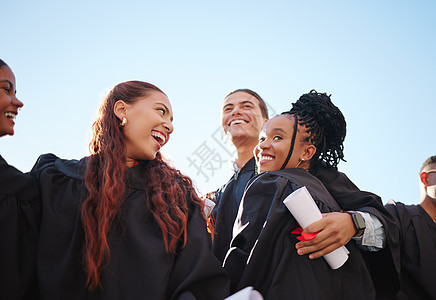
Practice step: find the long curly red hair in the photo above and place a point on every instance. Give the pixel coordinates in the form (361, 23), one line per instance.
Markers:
(168, 190)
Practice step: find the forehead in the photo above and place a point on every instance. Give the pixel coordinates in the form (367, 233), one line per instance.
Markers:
(7, 74)
(240, 97)
(156, 98)
(283, 123)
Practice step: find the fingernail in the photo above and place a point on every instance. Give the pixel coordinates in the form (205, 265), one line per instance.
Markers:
(300, 252)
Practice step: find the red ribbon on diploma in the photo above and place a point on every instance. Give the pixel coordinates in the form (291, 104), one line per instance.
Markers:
(305, 236)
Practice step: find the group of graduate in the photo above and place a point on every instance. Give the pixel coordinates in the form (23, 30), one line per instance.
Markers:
(122, 223)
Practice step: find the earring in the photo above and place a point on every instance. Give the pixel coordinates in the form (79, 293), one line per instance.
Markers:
(301, 160)
(123, 122)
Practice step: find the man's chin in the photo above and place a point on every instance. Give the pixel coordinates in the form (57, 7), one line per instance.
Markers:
(239, 131)
(240, 135)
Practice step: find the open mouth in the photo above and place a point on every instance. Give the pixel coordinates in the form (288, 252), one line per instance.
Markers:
(236, 122)
(10, 115)
(159, 137)
(265, 158)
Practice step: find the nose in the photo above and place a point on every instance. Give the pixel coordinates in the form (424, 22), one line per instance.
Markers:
(169, 127)
(235, 110)
(17, 102)
(263, 144)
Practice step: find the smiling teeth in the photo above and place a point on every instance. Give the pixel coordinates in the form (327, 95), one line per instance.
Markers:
(161, 138)
(266, 158)
(237, 122)
(10, 115)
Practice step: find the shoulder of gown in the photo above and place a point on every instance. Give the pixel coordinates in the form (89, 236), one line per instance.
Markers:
(20, 214)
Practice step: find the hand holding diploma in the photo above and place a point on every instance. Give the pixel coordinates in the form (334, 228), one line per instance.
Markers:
(302, 206)
(335, 230)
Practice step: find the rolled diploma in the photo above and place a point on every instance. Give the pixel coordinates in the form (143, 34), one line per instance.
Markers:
(302, 206)
(208, 207)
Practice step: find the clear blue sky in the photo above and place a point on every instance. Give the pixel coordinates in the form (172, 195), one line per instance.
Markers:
(376, 58)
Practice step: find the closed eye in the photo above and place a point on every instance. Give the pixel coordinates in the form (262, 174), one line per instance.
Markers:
(8, 89)
(7, 85)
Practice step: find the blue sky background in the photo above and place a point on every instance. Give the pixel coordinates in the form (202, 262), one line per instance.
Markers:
(376, 58)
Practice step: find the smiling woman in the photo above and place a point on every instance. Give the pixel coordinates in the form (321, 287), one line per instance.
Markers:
(274, 143)
(122, 223)
(19, 207)
(265, 252)
(146, 123)
(9, 103)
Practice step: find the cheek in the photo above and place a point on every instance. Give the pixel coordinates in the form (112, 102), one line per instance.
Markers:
(224, 126)
(133, 133)
(281, 152)
(225, 119)
(3, 102)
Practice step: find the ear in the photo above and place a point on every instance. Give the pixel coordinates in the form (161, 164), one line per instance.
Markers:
(424, 178)
(120, 109)
(308, 152)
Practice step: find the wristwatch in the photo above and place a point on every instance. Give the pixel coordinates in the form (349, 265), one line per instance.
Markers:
(358, 220)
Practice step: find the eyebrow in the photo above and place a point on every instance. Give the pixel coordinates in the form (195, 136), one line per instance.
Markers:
(241, 102)
(247, 101)
(278, 129)
(228, 104)
(5, 80)
(166, 109)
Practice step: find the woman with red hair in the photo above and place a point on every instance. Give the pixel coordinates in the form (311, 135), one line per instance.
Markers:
(122, 223)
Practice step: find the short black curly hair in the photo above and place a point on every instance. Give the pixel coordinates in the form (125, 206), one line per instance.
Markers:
(325, 125)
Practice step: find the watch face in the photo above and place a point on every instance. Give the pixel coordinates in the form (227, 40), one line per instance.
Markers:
(359, 221)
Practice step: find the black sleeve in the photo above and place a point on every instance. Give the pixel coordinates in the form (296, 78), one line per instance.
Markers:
(383, 264)
(196, 271)
(20, 215)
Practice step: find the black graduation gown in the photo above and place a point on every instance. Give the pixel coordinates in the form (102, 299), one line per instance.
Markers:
(384, 265)
(139, 267)
(227, 200)
(263, 253)
(19, 219)
(418, 252)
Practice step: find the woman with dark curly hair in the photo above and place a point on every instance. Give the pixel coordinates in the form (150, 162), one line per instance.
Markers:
(122, 223)
(262, 252)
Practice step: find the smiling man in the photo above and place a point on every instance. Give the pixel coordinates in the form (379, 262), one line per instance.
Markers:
(243, 115)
